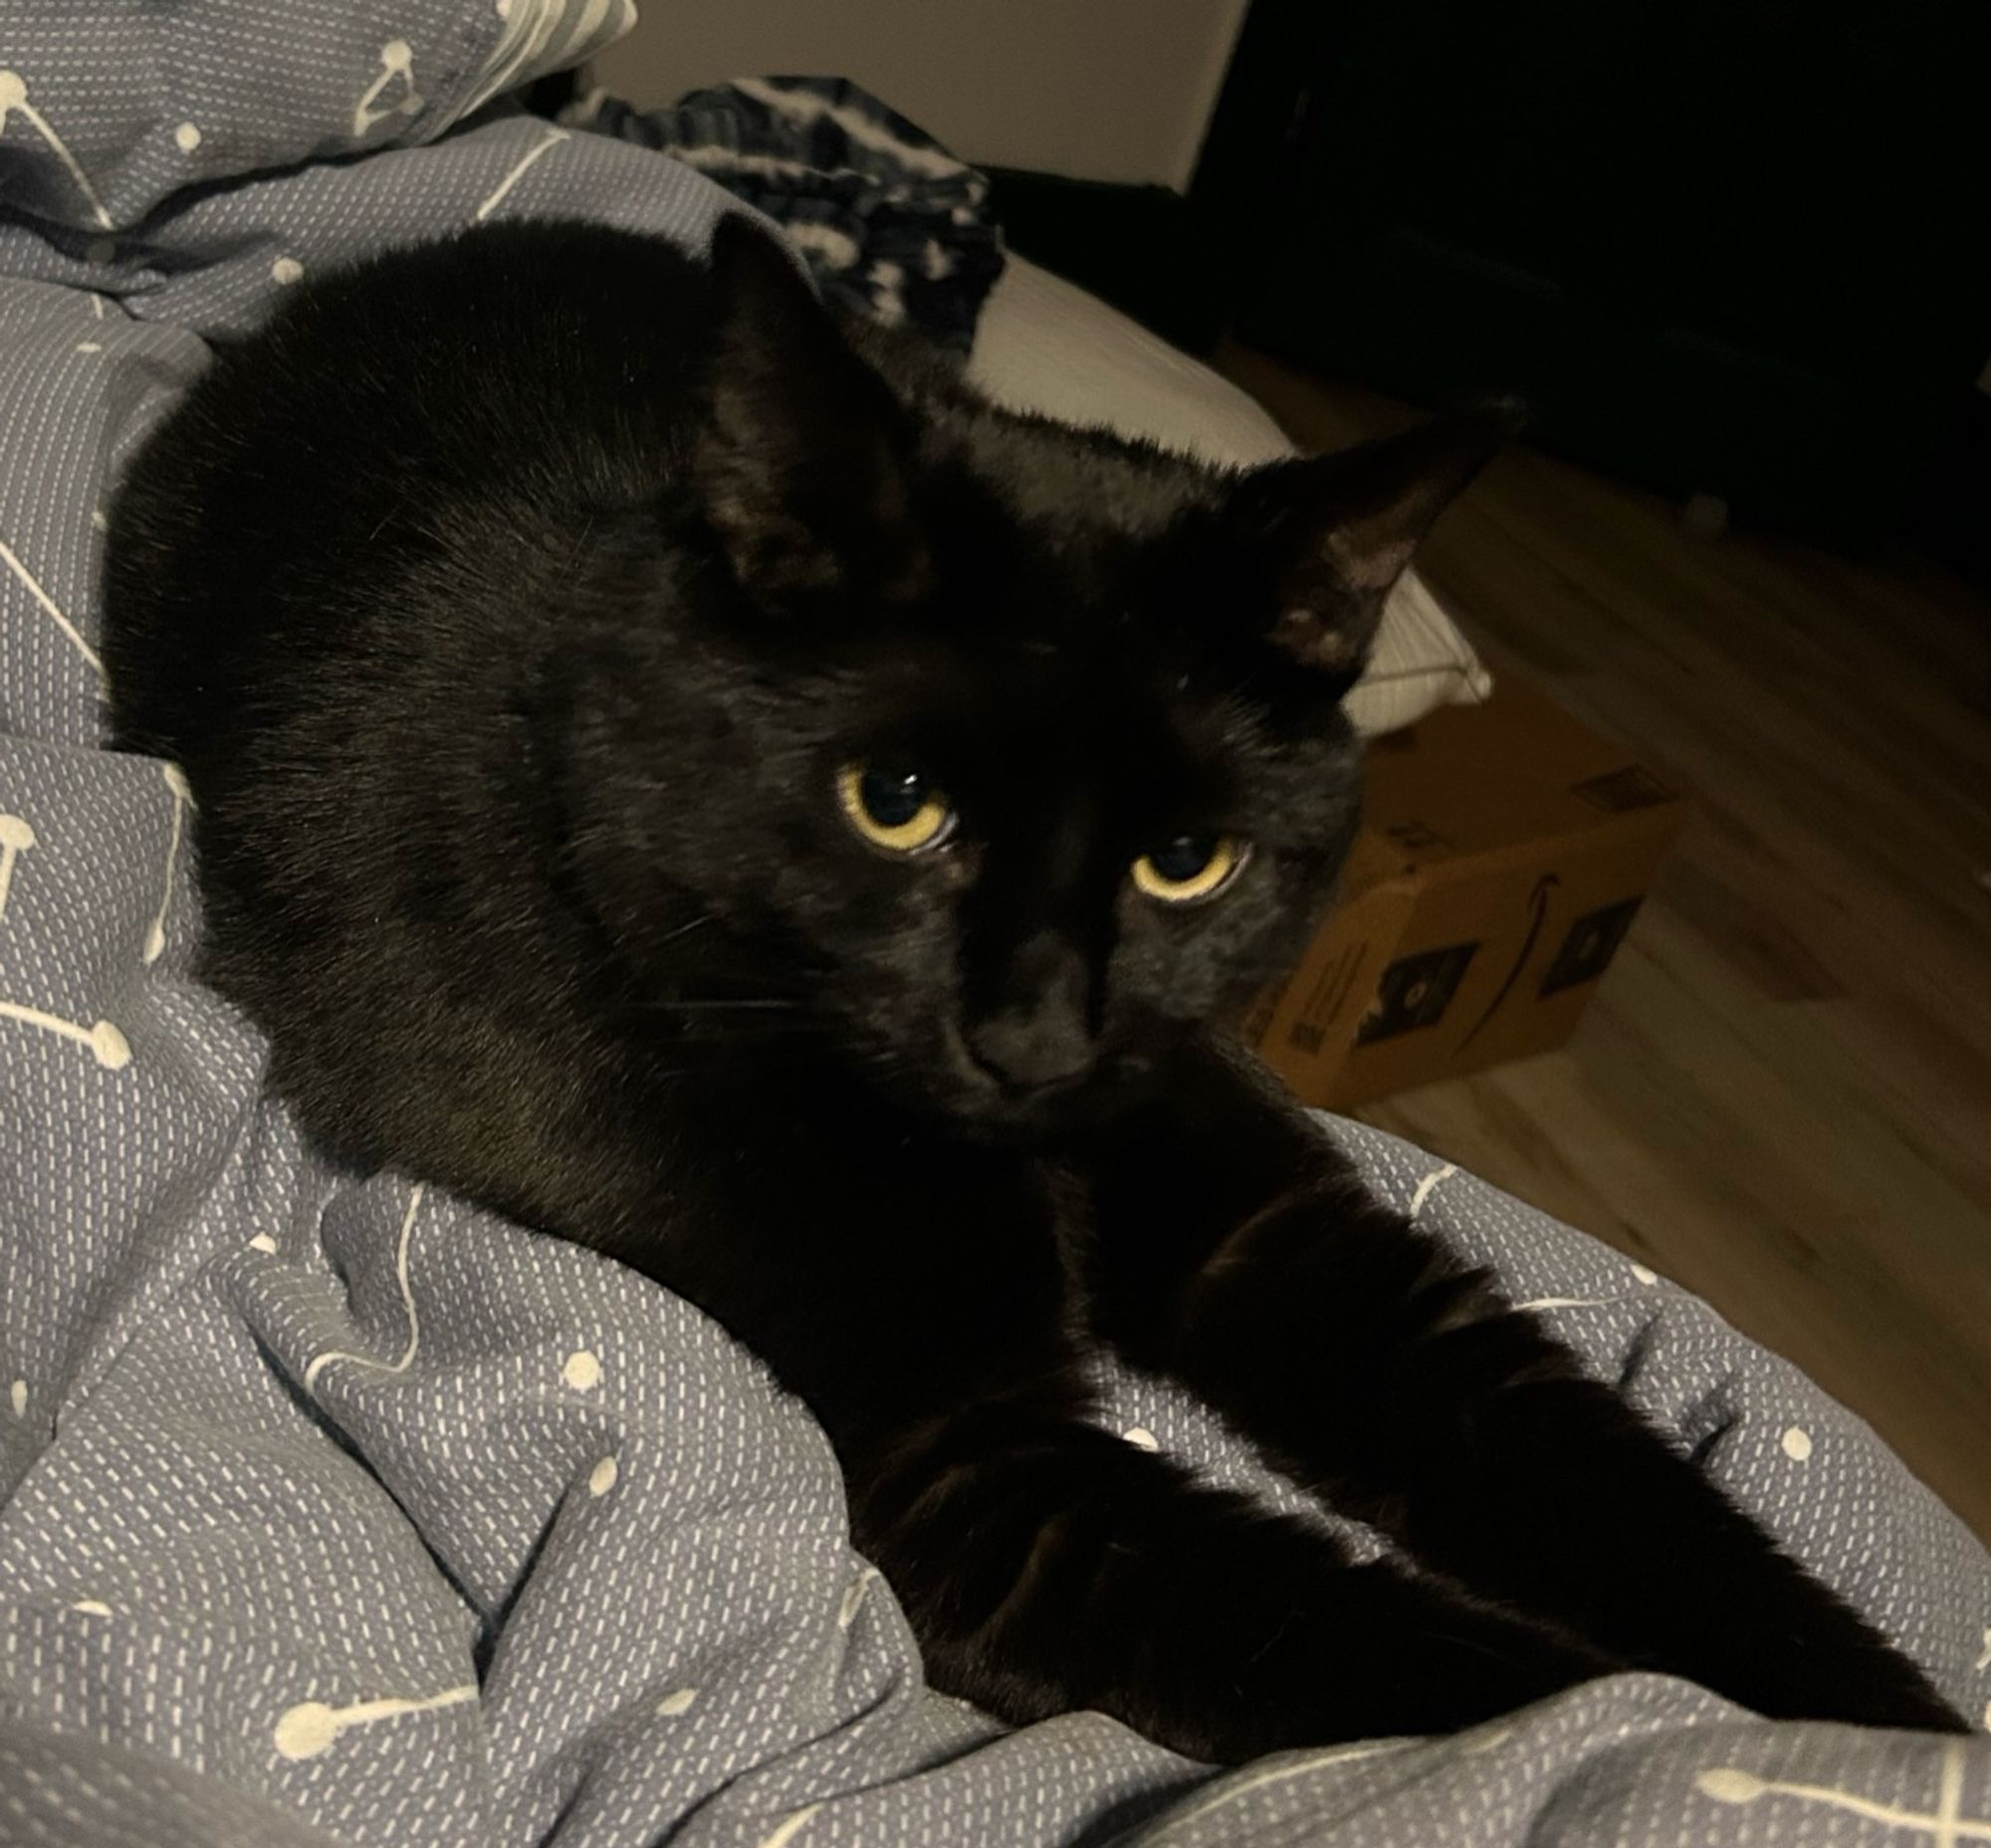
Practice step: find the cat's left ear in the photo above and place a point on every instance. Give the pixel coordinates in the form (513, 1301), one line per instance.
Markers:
(1339, 530)
(802, 459)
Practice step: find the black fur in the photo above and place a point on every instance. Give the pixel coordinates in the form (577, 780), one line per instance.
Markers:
(513, 604)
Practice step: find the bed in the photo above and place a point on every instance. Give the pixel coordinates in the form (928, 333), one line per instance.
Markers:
(334, 1512)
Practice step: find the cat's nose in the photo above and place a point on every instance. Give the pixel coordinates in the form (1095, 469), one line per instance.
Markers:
(1039, 1034)
(1028, 1051)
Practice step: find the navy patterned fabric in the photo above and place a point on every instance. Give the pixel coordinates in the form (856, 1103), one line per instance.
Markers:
(890, 222)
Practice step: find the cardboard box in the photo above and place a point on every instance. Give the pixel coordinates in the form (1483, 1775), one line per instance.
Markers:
(1505, 852)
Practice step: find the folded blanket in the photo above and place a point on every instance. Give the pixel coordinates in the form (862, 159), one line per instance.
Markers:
(891, 223)
(331, 1511)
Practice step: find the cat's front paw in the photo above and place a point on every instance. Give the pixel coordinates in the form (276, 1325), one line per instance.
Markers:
(1477, 1665)
(1866, 1685)
(1783, 1645)
(1421, 1658)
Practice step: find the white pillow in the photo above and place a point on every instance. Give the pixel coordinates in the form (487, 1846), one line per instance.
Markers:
(1044, 345)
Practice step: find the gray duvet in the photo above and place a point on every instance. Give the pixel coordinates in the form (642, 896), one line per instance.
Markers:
(331, 1511)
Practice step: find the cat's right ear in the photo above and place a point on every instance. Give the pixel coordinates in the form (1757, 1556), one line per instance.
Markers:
(1338, 531)
(802, 458)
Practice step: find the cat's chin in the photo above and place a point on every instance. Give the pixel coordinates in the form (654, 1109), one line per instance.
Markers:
(1033, 1120)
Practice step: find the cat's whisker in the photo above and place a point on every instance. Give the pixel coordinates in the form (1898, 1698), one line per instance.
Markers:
(685, 930)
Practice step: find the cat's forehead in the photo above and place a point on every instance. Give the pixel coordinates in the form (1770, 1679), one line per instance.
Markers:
(1058, 477)
(1028, 709)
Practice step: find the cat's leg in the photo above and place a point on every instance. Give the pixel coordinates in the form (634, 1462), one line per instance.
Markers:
(1048, 1565)
(919, 1299)
(1236, 1251)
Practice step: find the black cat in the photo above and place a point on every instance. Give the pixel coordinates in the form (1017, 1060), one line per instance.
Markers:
(702, 782)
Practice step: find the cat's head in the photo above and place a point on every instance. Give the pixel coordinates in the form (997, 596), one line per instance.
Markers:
(972, 751)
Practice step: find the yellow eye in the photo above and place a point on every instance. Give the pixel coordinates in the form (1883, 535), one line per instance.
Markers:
(892, 809)
(1190, 867)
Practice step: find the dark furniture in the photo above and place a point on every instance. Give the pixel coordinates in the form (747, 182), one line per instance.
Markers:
(1728, 246)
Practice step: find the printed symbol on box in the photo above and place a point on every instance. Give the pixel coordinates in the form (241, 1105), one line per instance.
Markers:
(1619, 790)
(1414, 992)
(1538, 915)
(1592, 942)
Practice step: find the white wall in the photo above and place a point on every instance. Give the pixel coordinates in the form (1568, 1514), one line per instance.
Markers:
(1112, 89)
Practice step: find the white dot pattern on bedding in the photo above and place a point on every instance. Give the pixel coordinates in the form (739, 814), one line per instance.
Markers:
(334, 1512)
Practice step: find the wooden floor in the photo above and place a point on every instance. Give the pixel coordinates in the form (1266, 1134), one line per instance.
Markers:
(1782, 1093)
